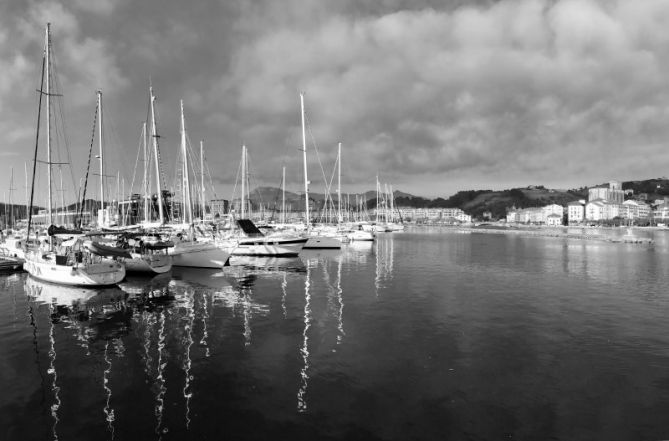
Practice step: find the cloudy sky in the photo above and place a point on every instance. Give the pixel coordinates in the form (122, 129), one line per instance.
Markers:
(434, 96)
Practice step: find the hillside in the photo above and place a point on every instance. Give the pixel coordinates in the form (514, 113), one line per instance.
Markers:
(472, 202)
(657, 188)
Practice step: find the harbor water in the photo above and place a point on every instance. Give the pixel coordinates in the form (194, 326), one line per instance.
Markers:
(430, 334)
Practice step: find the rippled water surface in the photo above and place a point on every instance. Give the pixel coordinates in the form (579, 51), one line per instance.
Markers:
(427, 334)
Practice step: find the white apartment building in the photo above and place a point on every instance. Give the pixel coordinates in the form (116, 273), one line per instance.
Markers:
(534, 215)
(594, 210)
(434, 214)
(575, 213)
(554, 220)
(553, 209)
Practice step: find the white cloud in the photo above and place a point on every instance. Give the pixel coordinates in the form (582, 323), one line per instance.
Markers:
(436, 91)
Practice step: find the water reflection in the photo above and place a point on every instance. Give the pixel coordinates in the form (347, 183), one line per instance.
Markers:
(340, 300)
(166, 323)
(54, 376)
(108, 411)
(304, 350)
(385, 252)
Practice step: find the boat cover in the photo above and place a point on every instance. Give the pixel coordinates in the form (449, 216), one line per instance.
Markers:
(53, 230)
(105, 250)
(249, 228)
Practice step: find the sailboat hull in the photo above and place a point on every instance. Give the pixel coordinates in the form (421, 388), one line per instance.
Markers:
(269, 247)
(198, 255)
(148, 264)
(104, 273)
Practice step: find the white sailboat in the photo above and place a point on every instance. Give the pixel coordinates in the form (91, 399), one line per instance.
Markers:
(136, 255)
(189, 250)
(318, 239)
(63, 259)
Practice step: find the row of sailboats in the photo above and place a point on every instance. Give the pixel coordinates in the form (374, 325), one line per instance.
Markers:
(154, 245)
(72, 257)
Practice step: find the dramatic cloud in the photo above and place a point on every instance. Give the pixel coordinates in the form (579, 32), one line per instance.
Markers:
(433, 97)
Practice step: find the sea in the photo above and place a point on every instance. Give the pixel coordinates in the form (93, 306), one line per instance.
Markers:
(429, 334)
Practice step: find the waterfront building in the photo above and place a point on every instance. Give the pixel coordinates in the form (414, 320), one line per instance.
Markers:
(554, 220)
(612, 210)
(575, 213)
(594, 210)
(553, 209)
(433, 214)
(537, 215)
(661, 213)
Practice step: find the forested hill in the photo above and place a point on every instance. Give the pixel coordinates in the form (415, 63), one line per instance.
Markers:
(477, 202)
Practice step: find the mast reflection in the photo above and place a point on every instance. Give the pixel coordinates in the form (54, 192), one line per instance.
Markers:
(160, 381)
(187, 341)
(89, 314)
(54, 374)
(384, 262)
(340, 300)
(304, 350)
(206, 302)
(108, 411)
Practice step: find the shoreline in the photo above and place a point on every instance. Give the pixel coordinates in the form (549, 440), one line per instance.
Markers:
(580, 233)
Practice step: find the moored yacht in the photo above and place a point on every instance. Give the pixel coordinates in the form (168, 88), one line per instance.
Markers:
(62, 258)
(255, 243)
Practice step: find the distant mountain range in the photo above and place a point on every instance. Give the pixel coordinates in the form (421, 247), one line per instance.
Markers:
(473, 202)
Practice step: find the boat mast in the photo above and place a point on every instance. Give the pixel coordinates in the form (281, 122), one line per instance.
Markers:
(283, 196)
(339, 218)
(204, 204)
(62, 197)
(243, 207)
(186, 183)
(377, 198)
(25, 170)
(39, 114)
(102, 169)
(392, 204)
(47, 50)
(11, 187)
(154, 135)
(304, 154)
(146, 174)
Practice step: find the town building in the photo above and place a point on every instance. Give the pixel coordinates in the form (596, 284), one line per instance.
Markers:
(554, 220)
(576, 212)
(613, 193)
(439, 215)
(594, 210)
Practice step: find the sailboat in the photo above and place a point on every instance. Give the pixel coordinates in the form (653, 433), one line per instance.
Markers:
(190, 250)
(63, 258)
(323, 238)
(253, 242)
(137, 255)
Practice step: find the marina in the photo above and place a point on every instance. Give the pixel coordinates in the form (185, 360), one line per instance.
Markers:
(429, 334)
(449, 220)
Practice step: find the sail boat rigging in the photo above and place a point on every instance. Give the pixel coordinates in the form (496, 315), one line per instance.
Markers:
(64, 259)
